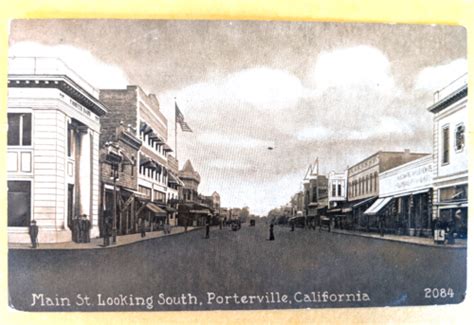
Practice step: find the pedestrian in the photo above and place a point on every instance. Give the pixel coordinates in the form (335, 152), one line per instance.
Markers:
(208, 221)
(86, 227)
(220, 224)
(186, 225)
(107, 224)
(292, 225)
(272, 236)
(33, 231)
(141, 226)
(76, 230)
(82, 229)
(166, 228)
(458, 223)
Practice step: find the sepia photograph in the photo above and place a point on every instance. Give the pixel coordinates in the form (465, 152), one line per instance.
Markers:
(196, 165)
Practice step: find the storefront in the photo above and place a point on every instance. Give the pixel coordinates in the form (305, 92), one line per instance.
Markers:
(361, 221)
(452, 209)
(405, 201)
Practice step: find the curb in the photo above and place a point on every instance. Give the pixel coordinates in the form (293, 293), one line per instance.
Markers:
(99, 247)
(399, 241)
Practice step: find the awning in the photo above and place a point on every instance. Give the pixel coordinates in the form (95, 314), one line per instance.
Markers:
(167, 148)
(145, 128)
(378, 205)
(348, 206)
(313, 204)
(156, 209)
(426, 190)
(363, 202)
(175, 179)
(203, 211)
(321, 207)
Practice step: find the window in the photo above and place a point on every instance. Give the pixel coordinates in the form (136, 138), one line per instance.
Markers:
(159, 196)
(333, 189)
(315, 195)
(19, 203)
(339, 190)
(19, 129)
(460, 137)
(145, 190)
(445, 147)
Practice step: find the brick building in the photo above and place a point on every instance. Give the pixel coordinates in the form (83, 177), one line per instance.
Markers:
(125, 145)
(140, 114)
(363, 183)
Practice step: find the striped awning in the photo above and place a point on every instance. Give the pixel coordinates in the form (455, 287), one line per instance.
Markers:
(156, 209)
(378, 206)
(202, 211)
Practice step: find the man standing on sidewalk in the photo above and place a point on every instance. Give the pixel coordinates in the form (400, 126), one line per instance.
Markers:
(107, 227)
(33, 231)
(208, 222)
(141, 227)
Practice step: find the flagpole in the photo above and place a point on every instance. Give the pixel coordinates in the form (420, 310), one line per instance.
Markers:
(175, 132)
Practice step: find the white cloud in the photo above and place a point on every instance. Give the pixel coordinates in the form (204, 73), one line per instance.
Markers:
(386, 126)
(264, 88)
(436, 77)
(96, 72)
(232, 141)
(359, 66)
(314, 133)
(229, 164)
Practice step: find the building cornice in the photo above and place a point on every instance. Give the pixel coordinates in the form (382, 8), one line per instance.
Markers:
(448, 100)
(61, 82)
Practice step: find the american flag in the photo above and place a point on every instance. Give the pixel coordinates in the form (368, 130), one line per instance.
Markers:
(180, 119)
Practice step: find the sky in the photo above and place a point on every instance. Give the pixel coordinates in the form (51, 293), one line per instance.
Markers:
(334, 91)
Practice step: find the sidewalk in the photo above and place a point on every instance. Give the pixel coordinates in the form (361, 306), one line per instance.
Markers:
(97, 243)
(422, 241)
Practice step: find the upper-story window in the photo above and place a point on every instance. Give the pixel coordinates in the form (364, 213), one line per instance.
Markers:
(339, 190)
(445, 146)
(459, 137)
(333, 190)
(19, 129)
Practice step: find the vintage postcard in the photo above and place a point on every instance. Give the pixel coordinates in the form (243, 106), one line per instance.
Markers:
(184, 165)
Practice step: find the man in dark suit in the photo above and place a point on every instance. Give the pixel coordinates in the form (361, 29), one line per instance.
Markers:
(33, 231)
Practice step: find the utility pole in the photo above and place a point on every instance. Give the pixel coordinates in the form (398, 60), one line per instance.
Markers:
(114, 208)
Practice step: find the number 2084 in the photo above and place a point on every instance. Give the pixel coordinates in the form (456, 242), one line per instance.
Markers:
(437, 293)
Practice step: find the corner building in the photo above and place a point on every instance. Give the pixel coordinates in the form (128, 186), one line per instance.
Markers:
(53, 149)
(450, 155)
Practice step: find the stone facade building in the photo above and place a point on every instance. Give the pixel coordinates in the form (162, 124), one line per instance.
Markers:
(53, 149)
(450, 155)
